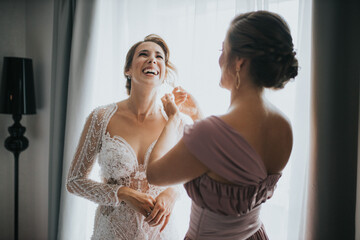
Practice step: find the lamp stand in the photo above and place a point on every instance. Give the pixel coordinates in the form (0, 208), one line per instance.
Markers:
(16, 143)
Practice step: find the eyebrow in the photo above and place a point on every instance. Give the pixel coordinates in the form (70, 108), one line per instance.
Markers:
(157, 52)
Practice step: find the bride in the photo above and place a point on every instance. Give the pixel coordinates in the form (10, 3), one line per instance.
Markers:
(121, 136)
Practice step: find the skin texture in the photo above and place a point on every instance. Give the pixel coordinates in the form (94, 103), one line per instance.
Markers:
(260, 123)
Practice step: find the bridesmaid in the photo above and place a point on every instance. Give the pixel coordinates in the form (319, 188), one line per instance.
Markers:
(230, 164)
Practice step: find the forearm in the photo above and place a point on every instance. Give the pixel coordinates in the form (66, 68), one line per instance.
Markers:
(124, 193)
(100, 193)
(170, 135)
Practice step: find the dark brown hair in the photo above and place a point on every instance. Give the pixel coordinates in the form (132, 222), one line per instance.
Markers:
(265, 39)
(170, 72)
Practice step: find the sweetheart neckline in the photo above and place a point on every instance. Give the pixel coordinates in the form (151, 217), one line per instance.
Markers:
(123, 140)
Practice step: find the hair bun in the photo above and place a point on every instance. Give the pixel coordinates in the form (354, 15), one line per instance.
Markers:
(291, 66)
(265, 39)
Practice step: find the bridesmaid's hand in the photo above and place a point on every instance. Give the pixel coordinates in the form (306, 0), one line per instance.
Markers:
(169, 105)
(164, 205)
(187, 103)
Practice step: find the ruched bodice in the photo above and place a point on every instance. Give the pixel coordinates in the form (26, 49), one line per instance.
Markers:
(225, 152)
(230, 199)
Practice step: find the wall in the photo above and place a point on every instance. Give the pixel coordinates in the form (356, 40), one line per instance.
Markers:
(12, 43)
(26, 29)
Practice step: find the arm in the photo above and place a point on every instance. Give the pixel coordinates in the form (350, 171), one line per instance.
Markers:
(78, 182)
(170, 161)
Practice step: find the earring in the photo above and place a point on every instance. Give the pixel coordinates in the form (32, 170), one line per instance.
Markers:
(237, 84)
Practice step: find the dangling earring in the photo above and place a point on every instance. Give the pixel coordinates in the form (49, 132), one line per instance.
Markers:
(237, 84)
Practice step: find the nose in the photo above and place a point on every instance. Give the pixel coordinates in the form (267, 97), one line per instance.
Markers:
(152, 60)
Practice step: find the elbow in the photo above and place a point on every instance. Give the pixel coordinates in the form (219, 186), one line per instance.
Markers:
(154, 178)
(151, 177)
(69, 187)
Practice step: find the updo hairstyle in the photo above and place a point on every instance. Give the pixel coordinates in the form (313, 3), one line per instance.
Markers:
(170, 72)
(265, 39)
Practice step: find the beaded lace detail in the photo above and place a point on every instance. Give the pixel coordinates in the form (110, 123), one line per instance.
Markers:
(119, 167)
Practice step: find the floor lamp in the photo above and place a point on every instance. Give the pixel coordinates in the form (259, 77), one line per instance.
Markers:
(17, 97)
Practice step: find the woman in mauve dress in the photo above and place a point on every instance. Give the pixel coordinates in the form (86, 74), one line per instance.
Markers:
(230, 164)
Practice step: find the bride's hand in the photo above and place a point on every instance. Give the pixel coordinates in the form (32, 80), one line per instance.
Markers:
(140, 202)
(187, 103)
(169, 104)
(164, 205)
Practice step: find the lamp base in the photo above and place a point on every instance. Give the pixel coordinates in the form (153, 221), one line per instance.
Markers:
(16, 143)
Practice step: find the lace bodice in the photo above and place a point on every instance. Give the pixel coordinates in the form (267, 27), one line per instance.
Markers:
(118, 167)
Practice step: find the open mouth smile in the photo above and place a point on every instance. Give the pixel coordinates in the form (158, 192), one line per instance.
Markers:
(150, 71)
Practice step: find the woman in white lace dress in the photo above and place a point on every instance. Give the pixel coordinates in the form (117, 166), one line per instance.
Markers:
(121, 136)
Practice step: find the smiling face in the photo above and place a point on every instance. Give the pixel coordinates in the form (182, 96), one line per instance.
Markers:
(148, 65)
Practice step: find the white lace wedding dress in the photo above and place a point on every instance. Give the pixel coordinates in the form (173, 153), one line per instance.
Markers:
(119, 167)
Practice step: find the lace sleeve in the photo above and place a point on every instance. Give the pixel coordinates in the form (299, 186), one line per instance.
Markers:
(89, 145)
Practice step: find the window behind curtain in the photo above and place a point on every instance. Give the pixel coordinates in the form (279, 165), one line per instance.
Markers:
(194, 31)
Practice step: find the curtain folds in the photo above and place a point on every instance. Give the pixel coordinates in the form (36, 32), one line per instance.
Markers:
(336, 79)
(64, 11)
(194, 30)
(72, 217)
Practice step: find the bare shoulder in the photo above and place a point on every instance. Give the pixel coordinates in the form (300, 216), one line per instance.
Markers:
(279, 140)
(122, 105)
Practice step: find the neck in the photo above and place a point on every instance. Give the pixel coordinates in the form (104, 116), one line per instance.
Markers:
(142, 103)
(246, 96)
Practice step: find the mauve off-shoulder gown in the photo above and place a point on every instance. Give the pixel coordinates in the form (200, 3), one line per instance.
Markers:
(219, 210)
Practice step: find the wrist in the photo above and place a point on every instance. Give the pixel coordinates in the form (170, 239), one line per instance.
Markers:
(123, 193)
(175, 120)
(171, 192)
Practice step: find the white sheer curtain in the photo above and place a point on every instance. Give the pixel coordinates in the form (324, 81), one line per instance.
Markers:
(194, 31)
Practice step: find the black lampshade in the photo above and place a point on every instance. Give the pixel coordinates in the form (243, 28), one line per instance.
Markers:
(17, 95)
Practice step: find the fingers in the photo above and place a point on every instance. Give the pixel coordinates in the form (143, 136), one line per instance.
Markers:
(148, 206)
(161, 220)
(180, 96)
(165, 222)
(168, 97)
(179, 92)
(157, 216)
(178, 89)
(153, 201)
(152, 215)
(146, 210)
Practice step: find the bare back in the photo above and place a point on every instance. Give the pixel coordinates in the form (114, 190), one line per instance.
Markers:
(267, 131)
